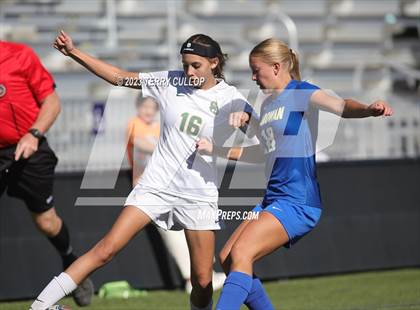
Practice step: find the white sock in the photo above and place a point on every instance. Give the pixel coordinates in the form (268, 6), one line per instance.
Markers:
(208, 307)
(55, 290)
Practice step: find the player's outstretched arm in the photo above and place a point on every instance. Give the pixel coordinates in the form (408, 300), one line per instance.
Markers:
(108, 72)
(355, 109)
(349, 108)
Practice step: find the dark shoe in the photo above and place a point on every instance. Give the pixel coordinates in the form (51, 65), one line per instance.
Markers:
(83, 294)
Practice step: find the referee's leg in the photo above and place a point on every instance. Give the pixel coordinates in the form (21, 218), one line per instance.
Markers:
(54, 228)
(32, 181)
(48, 222)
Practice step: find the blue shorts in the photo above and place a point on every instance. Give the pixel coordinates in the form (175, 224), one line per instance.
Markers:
(296, 219)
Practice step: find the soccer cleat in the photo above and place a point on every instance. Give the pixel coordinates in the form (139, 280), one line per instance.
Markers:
(57, 307)
(83, 294)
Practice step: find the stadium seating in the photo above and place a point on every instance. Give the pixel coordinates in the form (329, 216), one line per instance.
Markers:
(364, 8)
(336, 38)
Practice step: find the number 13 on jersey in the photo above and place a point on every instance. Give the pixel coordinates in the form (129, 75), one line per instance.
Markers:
(269, 139)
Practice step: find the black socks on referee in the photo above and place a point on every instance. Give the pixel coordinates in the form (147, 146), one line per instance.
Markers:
(62, 243)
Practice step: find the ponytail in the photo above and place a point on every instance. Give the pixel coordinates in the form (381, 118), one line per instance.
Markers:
(294, 66)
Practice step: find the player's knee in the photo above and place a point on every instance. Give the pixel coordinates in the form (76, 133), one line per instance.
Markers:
(49, 224)
(201, 280)
(104, 251)
(240, 252)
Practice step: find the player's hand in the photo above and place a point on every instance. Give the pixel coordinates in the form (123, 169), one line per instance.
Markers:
(204, 146)
(380, 108)
(64, 43)
(238, 119)
(26, 146)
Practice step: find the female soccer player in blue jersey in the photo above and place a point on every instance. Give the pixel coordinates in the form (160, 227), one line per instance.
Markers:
(287, 132)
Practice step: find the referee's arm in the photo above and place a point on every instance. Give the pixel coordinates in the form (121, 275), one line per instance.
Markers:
(50, 108)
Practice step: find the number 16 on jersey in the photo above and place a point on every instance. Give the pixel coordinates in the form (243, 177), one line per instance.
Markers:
(191, 124)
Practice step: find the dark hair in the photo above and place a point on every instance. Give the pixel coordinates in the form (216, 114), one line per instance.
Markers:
(205, 40)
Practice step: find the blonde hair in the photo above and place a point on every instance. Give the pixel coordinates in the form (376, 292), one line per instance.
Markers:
(276, 51)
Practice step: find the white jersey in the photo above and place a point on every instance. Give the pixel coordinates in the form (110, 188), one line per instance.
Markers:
(187, 114)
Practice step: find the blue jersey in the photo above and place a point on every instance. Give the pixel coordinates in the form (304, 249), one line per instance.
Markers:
(288, 131)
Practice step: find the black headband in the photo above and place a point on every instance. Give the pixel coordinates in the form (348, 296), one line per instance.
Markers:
(198, 49)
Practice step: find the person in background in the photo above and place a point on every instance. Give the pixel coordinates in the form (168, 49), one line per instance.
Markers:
(142, 136)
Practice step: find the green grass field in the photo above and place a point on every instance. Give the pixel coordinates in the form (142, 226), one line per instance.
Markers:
(388, 290)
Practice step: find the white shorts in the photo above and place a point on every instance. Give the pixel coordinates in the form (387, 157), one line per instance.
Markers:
(172, 212)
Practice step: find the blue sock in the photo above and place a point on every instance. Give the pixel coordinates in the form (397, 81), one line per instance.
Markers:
(235, 290)
(258, 298)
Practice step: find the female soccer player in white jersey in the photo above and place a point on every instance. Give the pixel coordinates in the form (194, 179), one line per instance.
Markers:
(287, 129)
(177, 184)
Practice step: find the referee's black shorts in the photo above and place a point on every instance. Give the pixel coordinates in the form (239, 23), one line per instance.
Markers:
(29, 179)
